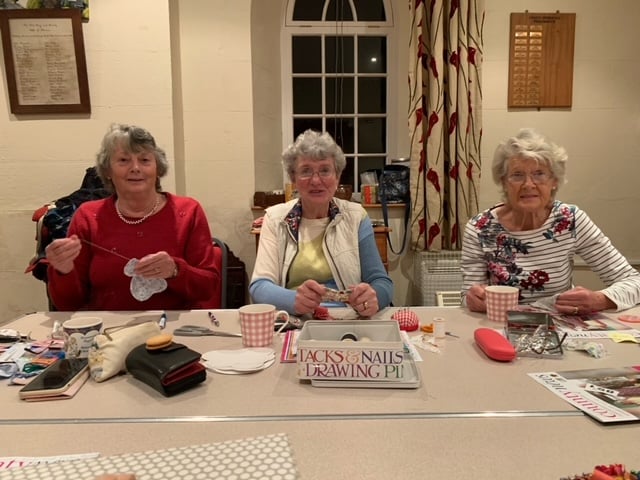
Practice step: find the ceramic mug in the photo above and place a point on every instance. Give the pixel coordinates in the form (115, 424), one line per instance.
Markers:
(499, 300)
(257, 324)
(80, 332)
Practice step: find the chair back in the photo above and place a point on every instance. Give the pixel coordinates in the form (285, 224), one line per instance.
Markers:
(220, 256)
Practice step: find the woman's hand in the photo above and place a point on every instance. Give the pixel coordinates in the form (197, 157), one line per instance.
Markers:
(156, 265)
(308, 297)
(582, 301)
(476, 298)
(62, 252)
(364, 299)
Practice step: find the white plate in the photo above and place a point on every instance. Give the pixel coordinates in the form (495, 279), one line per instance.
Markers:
(246, 359)
(240, 372)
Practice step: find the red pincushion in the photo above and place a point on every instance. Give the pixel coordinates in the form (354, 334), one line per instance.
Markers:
(322, 313)
(407, 319)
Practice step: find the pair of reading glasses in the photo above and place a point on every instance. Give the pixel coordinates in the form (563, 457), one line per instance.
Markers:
(536, 177)
(542, 341)
(308, 173)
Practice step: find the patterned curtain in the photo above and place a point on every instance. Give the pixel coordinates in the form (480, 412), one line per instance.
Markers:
(445, 119)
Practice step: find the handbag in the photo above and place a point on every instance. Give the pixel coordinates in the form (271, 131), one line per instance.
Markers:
(394, 188)
(169, 370)
(110, 349)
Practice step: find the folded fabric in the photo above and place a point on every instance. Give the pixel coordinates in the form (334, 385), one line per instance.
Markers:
(169, 370)
(110, 349)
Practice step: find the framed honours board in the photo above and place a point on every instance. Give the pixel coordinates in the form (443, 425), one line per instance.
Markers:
(541, 60)
(45, 61)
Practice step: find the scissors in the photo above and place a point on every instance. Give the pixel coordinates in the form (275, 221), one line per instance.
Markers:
(197, 331)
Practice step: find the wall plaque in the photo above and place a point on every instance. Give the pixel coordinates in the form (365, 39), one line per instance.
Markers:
(541, 60)
(44, 61)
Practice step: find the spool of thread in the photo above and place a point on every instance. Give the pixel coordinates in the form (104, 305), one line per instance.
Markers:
(349, 337)
(439, 327)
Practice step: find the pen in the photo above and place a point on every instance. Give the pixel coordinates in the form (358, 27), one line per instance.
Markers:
(163, 321)
(213, 319)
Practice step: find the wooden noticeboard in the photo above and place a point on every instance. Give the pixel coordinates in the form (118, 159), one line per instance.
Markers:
(541, 59)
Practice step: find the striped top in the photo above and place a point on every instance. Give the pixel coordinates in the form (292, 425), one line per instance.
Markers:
(540, 262)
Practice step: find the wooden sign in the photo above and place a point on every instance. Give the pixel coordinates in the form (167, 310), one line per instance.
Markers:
(541, 60)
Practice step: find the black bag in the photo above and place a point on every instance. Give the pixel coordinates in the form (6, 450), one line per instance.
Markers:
(393, 187)
(393, 184)
(169, 370)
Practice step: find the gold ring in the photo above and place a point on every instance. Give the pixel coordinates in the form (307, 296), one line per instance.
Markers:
(365, 305)
(576, 310)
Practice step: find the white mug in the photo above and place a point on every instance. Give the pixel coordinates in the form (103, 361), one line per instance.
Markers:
(79, 333)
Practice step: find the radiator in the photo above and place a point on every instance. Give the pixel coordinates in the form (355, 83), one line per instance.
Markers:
(436, 272)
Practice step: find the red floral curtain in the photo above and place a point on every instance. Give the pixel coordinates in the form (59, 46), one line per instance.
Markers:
(445, 119)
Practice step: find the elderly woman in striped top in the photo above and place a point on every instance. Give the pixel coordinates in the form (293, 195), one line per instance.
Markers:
(529, 240)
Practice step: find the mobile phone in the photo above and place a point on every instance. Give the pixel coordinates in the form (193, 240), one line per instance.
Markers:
(56, 378)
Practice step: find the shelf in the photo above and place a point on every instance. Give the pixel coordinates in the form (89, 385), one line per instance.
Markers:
(365, 205)
(379, 205)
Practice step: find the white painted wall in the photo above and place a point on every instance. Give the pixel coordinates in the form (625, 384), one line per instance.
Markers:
(194, 73)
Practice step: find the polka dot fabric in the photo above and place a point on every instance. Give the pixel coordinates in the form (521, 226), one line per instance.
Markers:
(268, 457)
(407, 319)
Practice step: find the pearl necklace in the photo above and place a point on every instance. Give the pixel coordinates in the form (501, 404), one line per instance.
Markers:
(139, 220)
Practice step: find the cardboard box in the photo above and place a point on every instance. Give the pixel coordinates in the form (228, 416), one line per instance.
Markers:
(327, 350)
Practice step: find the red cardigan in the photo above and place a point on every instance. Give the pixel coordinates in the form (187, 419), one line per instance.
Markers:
(98, 282)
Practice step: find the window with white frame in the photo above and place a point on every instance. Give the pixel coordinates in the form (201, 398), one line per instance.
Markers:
(336, 77)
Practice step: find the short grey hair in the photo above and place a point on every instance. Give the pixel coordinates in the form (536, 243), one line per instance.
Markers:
(132, 139)
(316, 146)
(527, 144)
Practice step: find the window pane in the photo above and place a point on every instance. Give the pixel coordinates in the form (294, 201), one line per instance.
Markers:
(339, 10)
(308, 10)
(347, 175)
(339, 95)
(307, 95)
(302, 124)
(339, 54)
(370, 10)
(372, 55)
(372, 135)
(372, 95)
(305, 56)
(342, 131)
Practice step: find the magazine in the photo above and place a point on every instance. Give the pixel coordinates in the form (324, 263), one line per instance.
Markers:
(591, 325)
(610, 395)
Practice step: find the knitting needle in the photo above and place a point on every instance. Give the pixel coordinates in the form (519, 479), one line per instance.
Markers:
(104, 249)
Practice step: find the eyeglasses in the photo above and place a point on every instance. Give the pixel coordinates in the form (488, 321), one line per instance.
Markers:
(536, 177)
(308, 173)
(542, 341)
